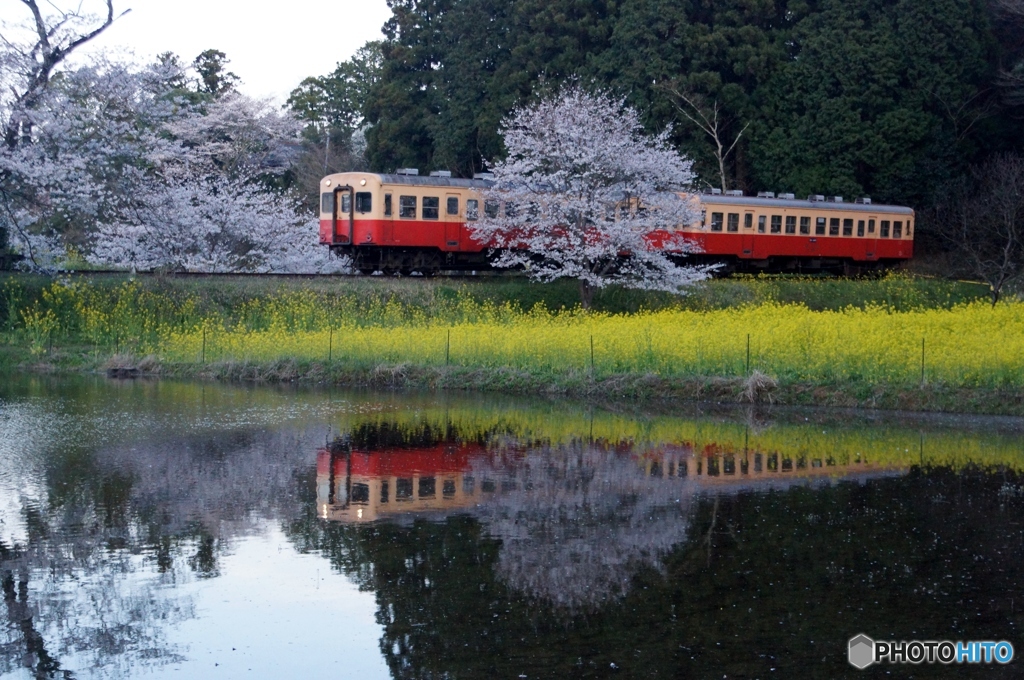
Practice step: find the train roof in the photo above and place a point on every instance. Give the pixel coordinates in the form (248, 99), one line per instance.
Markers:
(754, 202)
(416, 180)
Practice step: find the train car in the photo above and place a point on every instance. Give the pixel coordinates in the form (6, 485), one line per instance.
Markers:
(402, 222)
(776, 233)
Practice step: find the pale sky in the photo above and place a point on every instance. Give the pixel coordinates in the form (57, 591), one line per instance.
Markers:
(272, 45)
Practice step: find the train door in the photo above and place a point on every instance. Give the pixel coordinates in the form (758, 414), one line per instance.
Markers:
(388, 224)
(871, 239)
(818, 230)
(452, 220)
(747, 235)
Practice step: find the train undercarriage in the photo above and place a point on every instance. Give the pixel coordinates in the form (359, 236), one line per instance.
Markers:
(393, 261)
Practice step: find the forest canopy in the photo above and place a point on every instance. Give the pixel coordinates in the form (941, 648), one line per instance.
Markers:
(887, 98)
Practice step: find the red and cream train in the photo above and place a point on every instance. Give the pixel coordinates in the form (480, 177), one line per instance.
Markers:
(403, 223)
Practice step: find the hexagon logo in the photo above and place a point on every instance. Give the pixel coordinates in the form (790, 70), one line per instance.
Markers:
(862, 651)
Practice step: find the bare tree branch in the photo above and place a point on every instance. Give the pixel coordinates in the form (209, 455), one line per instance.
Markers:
(46, 54)
(981, 217)
(697, 111)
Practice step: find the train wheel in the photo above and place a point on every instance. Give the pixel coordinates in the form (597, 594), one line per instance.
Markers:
(366, 271)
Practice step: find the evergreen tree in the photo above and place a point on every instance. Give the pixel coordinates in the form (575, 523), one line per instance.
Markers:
(214, 78)
(881, 97)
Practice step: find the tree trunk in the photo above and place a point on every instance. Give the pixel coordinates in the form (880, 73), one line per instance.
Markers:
(586, 294)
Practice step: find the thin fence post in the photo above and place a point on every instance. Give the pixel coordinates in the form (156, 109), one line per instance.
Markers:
(591, 354)
(748, 354)
(204, 346)
(922, 361)
(448, 347)
(330, 346)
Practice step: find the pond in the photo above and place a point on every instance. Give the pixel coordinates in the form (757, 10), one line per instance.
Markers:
(169, 529)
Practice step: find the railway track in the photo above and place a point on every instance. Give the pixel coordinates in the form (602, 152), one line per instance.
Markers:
(277, 275)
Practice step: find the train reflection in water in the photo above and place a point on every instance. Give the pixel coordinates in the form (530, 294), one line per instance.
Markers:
(356, 485)
(365, 483)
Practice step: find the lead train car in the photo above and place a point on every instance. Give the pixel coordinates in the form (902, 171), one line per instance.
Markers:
(403, 223)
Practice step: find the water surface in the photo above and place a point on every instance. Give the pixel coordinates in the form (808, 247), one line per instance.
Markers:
(152, 529)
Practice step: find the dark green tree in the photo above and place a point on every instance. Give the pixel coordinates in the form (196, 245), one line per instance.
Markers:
(879, 98)
(214, 78)
(403, 104)
(333, 104)
(882, 97)
(331, 110)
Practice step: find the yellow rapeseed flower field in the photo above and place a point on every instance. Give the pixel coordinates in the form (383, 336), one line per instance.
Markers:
(973, 344)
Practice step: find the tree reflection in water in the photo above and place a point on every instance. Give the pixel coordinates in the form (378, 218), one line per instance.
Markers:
(576, 522)
(516, 547)
(95, 563)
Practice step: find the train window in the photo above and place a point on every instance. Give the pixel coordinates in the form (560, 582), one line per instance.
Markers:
(908, 228)
(472, 209)
(716, 221)
(760, 223)
(384, 488)
(327, 202)
(403, 489)
(790, 224)
(360, 493)
(491, 208)
(431, 205)
(387, 205)
(364, 202)
(884, 232)
(847, 227)
(805, 225)
(453, 205)
(748, 221)
(819, 227)
(407, 206)
(346, 202)
(860, 227)
(871, 226)
(833, 226)
(897, 229)
(734, 222)
(428, 487)
(448, 488)
(776, 224)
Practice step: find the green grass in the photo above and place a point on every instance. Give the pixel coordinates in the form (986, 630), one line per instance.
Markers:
(82, 328)
(224, 296)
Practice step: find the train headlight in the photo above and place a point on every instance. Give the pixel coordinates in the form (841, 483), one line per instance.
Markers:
(327, 182)
(362, 182)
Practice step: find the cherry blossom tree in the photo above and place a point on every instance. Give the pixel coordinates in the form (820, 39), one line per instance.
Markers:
(90, 128)
(134, 176)
(585, 194)
(204, 203)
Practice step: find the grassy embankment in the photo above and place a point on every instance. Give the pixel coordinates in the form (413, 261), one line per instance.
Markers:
(827, 341)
